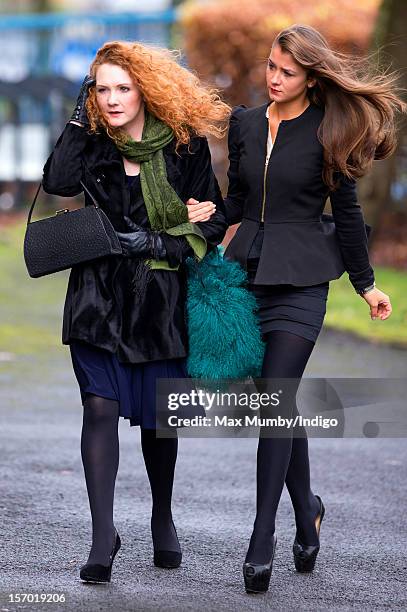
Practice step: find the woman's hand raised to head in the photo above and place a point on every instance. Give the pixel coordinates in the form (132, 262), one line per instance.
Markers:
(79, 115)
(200, 211)
(379, 302)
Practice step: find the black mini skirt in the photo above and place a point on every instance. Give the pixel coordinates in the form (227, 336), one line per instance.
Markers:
(299, 310)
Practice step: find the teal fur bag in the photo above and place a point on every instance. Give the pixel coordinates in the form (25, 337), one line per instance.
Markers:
(224, 333)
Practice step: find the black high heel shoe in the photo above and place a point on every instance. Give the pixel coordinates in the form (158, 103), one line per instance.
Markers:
(169, 559)
(95, 572)
(257, 576)
(305, 556)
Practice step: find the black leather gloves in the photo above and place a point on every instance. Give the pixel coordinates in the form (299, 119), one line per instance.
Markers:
(141, 242)
(79, 113)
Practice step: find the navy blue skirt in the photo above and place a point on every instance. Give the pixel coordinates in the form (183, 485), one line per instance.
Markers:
(132, 385)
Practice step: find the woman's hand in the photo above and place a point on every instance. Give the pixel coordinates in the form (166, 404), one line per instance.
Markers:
(79, 115)
(199, 211)
(379, 302)
(141, 242)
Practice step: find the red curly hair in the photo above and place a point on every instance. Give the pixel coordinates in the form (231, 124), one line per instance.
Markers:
(170, 92)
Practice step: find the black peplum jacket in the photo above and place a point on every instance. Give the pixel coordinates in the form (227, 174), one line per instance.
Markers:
(301, 245)
(101, 306)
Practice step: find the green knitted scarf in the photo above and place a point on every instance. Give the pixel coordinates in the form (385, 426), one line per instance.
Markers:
(165, 210)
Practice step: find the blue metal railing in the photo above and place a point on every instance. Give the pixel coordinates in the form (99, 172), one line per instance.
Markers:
(56, 20)
(45, 41)
(45, 64)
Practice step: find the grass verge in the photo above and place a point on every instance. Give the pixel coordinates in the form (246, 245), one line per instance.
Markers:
(31, 309)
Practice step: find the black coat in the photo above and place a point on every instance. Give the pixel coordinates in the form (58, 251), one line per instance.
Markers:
(101, 307)
(300, 246)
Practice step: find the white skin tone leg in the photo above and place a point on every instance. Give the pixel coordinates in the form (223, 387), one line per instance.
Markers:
(287, 84)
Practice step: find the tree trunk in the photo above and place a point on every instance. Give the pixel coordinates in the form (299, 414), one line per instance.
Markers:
(383, 190)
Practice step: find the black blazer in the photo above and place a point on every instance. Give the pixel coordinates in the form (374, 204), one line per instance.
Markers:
(301, 246)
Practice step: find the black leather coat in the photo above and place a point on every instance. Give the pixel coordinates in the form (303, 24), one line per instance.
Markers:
(101, 307)
(301, 246)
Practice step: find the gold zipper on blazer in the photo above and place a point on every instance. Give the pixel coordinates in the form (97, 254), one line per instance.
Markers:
(265, 170)
(266, 165)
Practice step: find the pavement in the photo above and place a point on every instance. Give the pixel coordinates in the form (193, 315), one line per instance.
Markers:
(46, 528)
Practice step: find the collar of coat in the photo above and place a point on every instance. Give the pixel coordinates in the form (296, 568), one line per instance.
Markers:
(105, 153)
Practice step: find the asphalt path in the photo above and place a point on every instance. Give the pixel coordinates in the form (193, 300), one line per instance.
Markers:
(46, 527)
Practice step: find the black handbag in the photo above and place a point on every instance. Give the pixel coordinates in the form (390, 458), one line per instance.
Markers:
(68, 238)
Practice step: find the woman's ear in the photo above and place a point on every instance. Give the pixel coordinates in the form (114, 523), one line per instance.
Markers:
(311, 82)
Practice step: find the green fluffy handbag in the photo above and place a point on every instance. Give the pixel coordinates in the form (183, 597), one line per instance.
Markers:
(224, 333)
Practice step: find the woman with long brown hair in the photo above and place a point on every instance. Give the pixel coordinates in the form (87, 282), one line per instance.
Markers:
(137, 141)
(328, 118)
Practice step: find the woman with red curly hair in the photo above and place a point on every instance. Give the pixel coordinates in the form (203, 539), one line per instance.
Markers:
(137, 140)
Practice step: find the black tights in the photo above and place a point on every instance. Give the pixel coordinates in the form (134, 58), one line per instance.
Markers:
(100, 457)
(282, 460)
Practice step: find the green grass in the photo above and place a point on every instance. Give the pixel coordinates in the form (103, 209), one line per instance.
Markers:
(349, 312)
(31, 309)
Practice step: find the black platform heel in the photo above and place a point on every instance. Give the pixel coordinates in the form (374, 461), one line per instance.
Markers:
(168, 559)
(97, 573)
(306, 556)
(257, 576)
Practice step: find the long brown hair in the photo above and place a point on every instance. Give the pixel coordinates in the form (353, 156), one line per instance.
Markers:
(360, 103)
(171, 92)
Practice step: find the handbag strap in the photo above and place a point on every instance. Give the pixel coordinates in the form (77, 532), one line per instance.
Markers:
(38, 191)
(33, 204)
